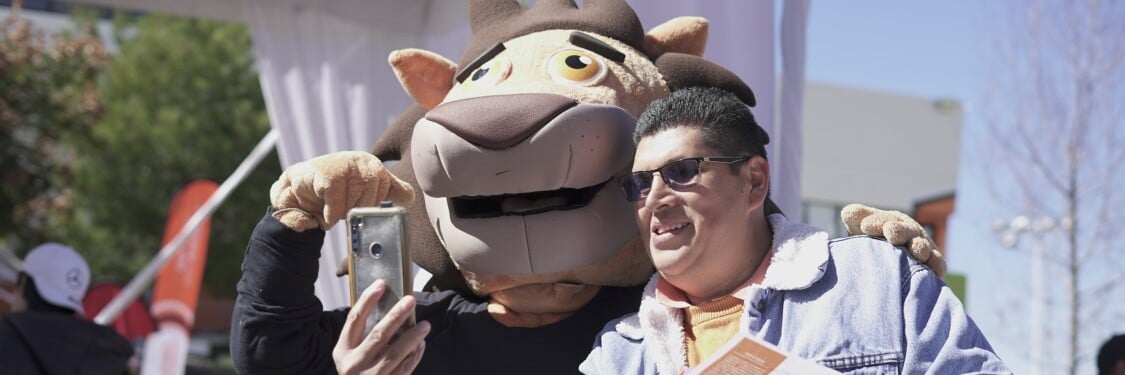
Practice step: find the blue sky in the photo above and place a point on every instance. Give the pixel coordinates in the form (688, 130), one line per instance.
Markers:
(917, 48)
(938, 49)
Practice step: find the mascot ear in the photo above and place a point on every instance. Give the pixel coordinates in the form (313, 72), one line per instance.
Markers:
(687, 35)
(425, 75)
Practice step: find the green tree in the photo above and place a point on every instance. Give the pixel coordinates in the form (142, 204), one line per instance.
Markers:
(48, 98)
(182, 102)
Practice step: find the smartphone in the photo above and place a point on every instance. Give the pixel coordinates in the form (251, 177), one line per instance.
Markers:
(378, 251)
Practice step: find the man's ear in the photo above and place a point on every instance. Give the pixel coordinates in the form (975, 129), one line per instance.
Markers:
(759, 174)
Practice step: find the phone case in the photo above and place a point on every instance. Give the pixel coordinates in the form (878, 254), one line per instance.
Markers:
(378, 251)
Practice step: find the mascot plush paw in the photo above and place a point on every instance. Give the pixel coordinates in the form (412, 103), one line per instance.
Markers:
(319, 192)
(898, 228)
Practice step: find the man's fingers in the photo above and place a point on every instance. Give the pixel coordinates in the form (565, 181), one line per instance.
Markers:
(344, 354)
(383, 332)
(411, 362)
(357, 317)
(397, 355)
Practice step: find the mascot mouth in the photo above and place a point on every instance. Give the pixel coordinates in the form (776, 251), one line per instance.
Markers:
(481, 207)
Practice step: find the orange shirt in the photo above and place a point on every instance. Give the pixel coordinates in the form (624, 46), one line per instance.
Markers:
(709, 326)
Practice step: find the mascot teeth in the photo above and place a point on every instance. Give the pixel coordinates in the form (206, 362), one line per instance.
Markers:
(523, 204)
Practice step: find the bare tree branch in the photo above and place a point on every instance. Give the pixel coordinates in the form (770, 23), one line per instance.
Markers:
(1055, 121)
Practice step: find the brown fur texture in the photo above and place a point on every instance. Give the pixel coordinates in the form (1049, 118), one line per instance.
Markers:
(897, 228)
(298, 197)
(677, 36)
(495, 22)
(439, 72)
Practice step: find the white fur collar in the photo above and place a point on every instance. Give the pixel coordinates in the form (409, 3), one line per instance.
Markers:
(800, 254)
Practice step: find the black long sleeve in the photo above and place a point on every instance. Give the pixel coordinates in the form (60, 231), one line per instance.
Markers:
(278, 325)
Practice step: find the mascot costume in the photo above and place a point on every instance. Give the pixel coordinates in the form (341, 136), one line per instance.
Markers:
(508, 166)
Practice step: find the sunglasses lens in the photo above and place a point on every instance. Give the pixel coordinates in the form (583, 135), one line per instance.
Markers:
(636, 185)
(681, 173)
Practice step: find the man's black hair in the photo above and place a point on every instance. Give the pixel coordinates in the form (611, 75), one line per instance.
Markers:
(1111, 352)
(725, 123)
(35, 301)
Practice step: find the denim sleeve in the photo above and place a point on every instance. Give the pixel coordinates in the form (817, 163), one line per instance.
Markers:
(617, 352)
(595, 362)
(940, 336)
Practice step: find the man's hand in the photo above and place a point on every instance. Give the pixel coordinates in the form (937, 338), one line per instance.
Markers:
(318, 193)
(381, 351)
(898, 228)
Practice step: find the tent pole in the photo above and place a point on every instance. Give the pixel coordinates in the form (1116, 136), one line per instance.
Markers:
(141, 281)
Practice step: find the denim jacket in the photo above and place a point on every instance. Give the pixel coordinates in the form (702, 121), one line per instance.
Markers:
(857, 305)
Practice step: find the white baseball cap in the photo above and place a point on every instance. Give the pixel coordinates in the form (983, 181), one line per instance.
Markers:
(61, 275)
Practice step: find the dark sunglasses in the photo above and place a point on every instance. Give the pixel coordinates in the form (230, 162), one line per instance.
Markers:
(677, 174)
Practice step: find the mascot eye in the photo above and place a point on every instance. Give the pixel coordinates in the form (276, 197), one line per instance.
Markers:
(490, 73)
(576, 66)
(480, 73)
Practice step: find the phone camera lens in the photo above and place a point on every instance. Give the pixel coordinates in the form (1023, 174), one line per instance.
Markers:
(376, 250)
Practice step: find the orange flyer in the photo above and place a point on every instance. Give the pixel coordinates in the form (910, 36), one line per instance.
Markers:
(748, 355)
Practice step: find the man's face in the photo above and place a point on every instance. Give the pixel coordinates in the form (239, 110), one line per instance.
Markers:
(697, 233)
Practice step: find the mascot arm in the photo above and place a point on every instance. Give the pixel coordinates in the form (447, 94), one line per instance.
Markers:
(317, 193)
(898, 228)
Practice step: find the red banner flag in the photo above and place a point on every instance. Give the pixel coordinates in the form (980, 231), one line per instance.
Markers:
(176, 291)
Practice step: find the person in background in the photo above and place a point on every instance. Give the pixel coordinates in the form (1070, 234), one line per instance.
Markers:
(45, 332)
(1111, 356)
(728, 262)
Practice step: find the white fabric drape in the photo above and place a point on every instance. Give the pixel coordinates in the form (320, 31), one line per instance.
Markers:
(327, 84)
(787, 146)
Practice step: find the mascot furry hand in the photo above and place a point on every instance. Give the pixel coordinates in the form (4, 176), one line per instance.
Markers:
(515, 151)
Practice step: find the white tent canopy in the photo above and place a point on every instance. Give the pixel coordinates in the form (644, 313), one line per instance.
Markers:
(328, 87)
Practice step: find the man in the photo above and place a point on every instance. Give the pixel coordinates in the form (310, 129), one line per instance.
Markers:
(727, 263)
(45, 333)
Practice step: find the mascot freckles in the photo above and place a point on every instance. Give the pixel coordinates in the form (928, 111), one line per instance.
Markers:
(508, 167)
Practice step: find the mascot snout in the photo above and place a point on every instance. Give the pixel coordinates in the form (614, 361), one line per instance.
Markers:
(499, 184)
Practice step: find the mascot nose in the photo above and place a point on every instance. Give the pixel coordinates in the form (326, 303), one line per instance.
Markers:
(499, 122)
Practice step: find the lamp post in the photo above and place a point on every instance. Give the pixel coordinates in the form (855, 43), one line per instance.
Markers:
(1010, 232)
